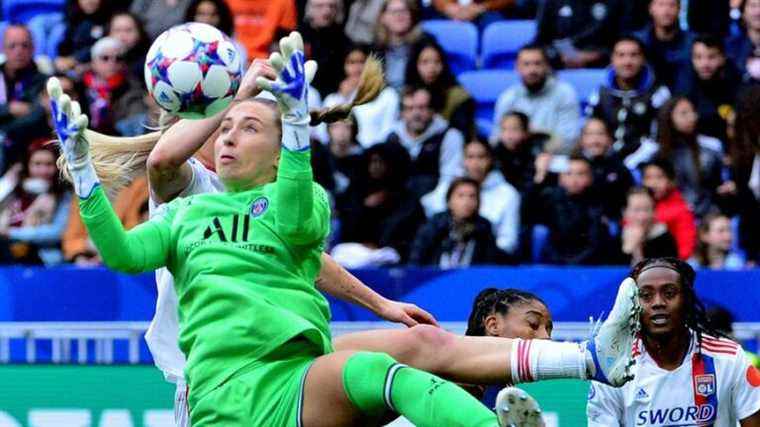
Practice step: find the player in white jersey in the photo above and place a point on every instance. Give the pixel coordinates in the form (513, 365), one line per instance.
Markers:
(685, 374)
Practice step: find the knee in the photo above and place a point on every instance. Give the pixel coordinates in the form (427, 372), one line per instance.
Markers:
(428, 345)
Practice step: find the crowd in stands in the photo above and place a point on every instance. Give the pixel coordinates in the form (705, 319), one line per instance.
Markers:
(661, 159)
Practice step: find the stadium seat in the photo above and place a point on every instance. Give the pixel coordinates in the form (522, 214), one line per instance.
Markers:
(485, 86)
(458, 39)
(55, 38)
(42, 27)
(584, 80)
(3, 26)
(540, 238)
(24, 10)
(502, 40)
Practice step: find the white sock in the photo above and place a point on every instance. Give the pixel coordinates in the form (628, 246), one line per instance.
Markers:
(534, 360)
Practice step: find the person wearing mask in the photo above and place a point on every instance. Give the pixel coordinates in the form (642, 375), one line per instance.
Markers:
(458, 237)
(578, 232)
(34, 208)
(643, 236)
(697, 159)
(434, 147)
(428, 67)
(550, 104)
(712, 83)
(667, 44)
(714, 249)
(628, 101)
(499, 201)
(670, 207)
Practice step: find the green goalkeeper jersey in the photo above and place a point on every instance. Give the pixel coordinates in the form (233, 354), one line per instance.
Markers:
(244, 267)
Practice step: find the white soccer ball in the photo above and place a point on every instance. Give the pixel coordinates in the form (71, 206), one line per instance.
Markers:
(193, 70)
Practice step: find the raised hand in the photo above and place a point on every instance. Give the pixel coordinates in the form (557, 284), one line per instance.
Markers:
(70, 125)
(294, 74)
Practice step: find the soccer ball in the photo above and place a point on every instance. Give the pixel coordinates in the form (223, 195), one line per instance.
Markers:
(193, 70)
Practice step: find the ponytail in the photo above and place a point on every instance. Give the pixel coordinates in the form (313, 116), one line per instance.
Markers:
(371, 83)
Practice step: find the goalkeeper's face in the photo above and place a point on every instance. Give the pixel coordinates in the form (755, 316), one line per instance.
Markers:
(662, 302)
(248, 146)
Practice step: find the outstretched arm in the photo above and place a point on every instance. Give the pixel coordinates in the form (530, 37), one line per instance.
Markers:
(303, 213)
(338, 282)
(142, 249)
(168, 170)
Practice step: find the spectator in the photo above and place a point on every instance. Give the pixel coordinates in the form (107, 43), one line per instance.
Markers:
(643, 236)
(667, 45)
(347, 157)
(711, 84)
(76, 244)
(744, 48)
(128, 29)
(716, 239)
(480, 12)
(34, 209)
(361, 23)
(517, 149)
(709, 17)
(398, 29)
(697, 159)
(670, 208)
(745, 159)
(21, 83)
(629, 100)
(322, 31)
(218, 14)
(428, 68)
(376, 118)
(159, 15)
(578, 33)
(260, 23)
(578, 233)
(383, 213)
(499, 201)
(111, 94)
(434, 147)
(86, 21)
(551, 104)
(612, 179)
(458, 237)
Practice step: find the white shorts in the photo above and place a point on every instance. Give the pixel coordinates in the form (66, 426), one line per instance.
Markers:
(181, 415)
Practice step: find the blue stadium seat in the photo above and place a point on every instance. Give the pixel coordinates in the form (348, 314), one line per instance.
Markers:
(42, 27)
(502, 40)
(24, 10)
(485, 86)
(584, 80)
(458, 39)
(54, 39)
(540, 238)
(3, 26)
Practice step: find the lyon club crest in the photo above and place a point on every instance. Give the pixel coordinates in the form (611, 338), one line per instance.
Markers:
(704, 384)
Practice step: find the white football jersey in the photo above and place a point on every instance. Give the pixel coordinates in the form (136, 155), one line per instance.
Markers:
(715, 386)
(163, 333)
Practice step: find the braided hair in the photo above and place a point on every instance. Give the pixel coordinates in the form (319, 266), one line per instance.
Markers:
(696, 314)
(492, 300)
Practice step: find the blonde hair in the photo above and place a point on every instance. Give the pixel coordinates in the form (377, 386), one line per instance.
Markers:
(120, 160)
(371, 83)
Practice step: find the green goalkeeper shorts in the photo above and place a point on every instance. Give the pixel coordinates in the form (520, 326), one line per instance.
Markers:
(269, 392)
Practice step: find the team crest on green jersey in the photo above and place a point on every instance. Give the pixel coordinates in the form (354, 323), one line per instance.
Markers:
(259, 206)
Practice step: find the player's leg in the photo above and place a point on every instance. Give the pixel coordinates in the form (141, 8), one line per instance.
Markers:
(490, 360)
(356, 388)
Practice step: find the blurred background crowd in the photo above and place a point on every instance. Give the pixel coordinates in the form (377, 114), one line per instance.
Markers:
(570, 132)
